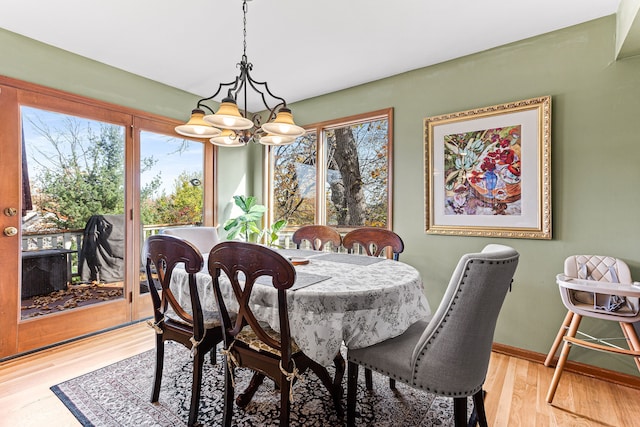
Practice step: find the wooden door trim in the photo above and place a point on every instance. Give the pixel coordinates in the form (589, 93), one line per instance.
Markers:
(73, 323)
(11, 191)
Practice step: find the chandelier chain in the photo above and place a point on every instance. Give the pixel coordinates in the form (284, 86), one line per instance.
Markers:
(244, 29)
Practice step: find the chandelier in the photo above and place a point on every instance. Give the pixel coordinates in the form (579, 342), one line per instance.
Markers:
(228, 126)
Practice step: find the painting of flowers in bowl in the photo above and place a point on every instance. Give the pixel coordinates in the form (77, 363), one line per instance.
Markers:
(482, 172)
(487, 171)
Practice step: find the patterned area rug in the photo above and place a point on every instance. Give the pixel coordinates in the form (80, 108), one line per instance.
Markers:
(118, 395)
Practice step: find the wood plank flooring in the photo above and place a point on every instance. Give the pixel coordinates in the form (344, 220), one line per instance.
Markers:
(515, 388)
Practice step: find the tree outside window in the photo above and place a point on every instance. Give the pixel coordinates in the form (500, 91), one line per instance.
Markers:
(76, 170)
(340, 178)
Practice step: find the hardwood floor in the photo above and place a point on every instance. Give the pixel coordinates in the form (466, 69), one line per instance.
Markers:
(515, 388)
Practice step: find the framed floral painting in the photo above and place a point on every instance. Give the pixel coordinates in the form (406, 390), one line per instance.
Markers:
(488, 171)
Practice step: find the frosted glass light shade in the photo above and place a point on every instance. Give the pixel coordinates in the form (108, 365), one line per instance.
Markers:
(228, 117)
(196, 127)
(283, 125)
(270, 139)
(228, 138)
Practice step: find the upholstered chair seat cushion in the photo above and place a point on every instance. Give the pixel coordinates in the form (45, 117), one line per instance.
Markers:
(211, 318)
(393, 356)
(249, 337)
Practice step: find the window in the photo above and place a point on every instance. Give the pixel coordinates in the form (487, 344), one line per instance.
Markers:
(338, 174)
(171, 176)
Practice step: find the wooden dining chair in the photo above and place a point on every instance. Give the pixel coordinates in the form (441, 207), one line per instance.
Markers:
(373, 241)
(188, 325)
(447, 355)
(318, 237)
(252, 344)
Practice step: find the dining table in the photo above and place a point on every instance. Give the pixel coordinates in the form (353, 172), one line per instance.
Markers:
(337, 299)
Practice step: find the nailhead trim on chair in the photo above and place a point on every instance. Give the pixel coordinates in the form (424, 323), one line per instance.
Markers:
(434, 335)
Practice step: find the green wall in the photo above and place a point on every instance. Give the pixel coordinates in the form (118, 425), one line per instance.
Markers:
(595, 152)
(595, 169)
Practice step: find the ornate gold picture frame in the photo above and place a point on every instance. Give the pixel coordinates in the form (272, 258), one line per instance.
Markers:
(488, 171)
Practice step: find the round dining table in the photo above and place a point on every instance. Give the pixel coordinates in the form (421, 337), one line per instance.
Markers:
(337, 298)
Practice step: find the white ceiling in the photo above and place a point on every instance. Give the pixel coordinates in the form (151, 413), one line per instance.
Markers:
(301, 48)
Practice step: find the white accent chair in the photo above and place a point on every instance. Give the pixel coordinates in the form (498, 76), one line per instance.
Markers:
(448, 354)
(203, 238)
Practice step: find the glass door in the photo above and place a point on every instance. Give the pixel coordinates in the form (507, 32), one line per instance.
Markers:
(91, 180)
(73, 227)
(67, 275)
(173, 173)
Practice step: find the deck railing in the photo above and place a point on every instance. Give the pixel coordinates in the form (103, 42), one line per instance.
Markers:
(72, 239)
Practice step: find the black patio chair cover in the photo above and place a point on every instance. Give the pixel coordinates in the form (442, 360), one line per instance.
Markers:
(101, 257)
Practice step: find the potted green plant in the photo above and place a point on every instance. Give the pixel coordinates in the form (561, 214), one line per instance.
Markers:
(247, 225)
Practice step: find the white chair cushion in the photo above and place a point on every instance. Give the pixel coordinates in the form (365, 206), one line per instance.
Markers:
(203, 238)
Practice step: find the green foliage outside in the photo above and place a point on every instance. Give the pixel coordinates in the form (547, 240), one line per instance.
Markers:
(81, 173)
(182, 206)
(85, 175)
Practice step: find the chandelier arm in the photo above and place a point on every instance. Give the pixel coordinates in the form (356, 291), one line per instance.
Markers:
(201, 103)
(272, 111)
(201, 106)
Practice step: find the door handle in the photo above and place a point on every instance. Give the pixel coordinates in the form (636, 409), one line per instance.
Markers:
(10, 231)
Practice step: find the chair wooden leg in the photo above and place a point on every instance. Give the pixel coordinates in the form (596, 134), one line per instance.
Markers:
(155, 393)
(334, 389)
(368, 378)
(562, 360)
(479, 413)
(245, 397)
(198, 360)
(632, 339)
(339, 363)
(352, 392)
(228, 395)
(285, 403)
(556, 343)
(212, 355)
(460, 411)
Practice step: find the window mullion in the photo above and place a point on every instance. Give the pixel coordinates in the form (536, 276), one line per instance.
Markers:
(321, 174)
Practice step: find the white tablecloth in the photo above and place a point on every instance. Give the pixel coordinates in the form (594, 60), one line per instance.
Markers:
(357, 304)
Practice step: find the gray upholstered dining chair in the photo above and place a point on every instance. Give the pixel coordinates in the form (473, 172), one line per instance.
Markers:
(449, 354)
